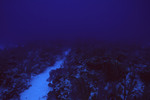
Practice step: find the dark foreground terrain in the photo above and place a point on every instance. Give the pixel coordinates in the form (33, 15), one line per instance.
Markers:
(19, 63)
(90, 71)
(103, 72)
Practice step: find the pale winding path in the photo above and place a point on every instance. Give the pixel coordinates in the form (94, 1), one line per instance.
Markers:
(40, 88)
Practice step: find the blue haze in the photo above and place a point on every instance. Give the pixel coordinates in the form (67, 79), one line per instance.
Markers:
(109, 20)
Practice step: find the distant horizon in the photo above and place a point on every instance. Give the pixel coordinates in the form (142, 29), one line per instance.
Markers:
(29, 20)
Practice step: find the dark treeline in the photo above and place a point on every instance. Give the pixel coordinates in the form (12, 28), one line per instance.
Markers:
(103, 71)
(18, 63)
(103, 68)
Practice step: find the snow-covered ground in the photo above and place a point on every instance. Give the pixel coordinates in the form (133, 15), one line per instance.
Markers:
(40, 88)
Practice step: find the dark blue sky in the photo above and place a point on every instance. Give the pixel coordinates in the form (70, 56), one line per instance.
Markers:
(24, 20)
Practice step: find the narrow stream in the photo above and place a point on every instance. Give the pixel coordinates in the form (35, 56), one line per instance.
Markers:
(39, 84)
